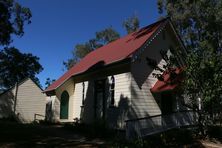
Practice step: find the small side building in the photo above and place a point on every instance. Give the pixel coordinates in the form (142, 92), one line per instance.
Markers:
(25, 101)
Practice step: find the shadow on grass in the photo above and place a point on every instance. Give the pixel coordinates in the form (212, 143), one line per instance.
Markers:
(171, 138)
(95, 135)
(35, 135)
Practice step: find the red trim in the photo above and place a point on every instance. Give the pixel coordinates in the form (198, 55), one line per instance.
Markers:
(167, 84)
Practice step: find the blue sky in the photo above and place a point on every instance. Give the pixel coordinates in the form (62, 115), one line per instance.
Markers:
(58, 25)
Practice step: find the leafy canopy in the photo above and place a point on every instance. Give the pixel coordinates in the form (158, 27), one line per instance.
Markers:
(102, 38)
(12, 19)
(16, 66)
(131, 24)
(199, 23)
(48, 82)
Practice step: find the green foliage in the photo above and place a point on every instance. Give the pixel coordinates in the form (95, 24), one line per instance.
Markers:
(49, 82)
(15, 66)
(102, 38)
(131, 24)
(12, 19)
(106, 36)
(199, 23)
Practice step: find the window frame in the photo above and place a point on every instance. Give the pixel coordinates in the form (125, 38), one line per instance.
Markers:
(112, 91)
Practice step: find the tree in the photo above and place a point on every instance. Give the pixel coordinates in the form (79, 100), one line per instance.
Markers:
(15, 66)
(49, 82)
(12, 19)
(106, 36)
(102, 38)
(199, 23)
(131, 24)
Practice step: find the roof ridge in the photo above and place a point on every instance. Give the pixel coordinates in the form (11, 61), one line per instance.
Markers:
(121, 38)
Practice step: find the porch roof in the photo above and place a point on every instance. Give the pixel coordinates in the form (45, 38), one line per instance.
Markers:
(167, 84)
(115, 51)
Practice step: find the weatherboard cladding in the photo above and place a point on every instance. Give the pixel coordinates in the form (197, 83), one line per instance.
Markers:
(113, 52)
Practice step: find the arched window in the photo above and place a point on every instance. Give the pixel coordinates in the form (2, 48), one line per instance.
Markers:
(64, 105)
(112, 91)
(83, 93)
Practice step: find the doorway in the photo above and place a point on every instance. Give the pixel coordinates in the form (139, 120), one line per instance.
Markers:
(166, 103)
(100, 99)
(64, 105)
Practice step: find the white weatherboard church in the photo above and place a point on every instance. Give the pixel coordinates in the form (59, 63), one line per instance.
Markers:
(115, 84)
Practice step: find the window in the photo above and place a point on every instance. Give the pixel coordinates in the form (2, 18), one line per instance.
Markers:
(112, 91)
(83, 93)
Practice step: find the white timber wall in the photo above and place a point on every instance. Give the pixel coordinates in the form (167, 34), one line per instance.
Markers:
(69, 87)
(52, 112)
(122, 87)
(78, 96)
(117, 115)
(143, 102)
(30, 101)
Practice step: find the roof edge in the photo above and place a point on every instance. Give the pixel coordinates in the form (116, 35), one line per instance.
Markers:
(79, 73)
(129, 56)
(20, 83)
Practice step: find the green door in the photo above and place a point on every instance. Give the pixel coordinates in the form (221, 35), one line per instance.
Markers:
(64, 105)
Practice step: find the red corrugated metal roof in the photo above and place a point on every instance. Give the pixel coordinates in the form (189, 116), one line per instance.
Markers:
(167, 84)
(115, 51)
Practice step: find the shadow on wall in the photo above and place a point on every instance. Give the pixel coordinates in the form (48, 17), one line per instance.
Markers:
(49, 111)
(52, 111)
(143, 103)
(87, 110)
(7, 107)
(116, 115)
(140, 70)
(56, 110)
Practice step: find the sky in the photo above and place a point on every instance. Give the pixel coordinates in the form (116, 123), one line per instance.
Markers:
(58, 25)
